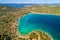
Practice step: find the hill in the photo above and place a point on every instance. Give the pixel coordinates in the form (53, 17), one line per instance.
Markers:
(9, 18)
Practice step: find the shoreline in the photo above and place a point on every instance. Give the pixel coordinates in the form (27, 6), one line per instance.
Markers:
(48, 14)
(44, 13)
(35, 31)
(23, 35)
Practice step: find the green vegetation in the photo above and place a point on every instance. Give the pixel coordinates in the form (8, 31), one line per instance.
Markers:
(5, 37)
(10, 15)
(44, 9)
(33, 35)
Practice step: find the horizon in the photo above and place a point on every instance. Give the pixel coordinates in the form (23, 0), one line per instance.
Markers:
(30, 1)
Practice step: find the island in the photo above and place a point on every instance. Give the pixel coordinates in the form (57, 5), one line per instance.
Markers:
(9, 22)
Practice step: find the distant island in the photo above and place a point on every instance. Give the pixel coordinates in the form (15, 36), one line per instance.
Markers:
(9, 20)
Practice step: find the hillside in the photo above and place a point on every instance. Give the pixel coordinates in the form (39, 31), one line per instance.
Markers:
(9, 17)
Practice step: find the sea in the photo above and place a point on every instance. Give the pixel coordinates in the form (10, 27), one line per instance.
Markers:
(16, 5)
(44, 22)
(24, 5)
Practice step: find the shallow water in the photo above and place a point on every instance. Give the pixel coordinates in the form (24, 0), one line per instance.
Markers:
(47, 23)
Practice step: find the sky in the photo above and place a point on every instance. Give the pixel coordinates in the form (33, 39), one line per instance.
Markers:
(30, 1)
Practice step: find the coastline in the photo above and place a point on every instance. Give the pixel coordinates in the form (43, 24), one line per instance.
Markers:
(26, 36)
(38, 30)
(44, 13)
(34, 31)
(14, 15)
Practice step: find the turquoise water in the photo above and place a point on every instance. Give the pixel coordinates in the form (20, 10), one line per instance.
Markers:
(45, 22)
